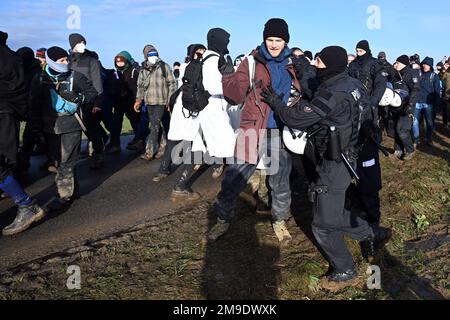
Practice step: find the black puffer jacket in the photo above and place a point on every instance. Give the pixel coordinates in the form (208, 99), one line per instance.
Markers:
(13, 90)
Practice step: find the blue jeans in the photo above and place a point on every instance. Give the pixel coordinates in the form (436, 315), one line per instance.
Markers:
(142, 125)
(427, 109)
(235, 181)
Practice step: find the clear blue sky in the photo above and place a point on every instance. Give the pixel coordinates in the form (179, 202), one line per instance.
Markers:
(110, 26)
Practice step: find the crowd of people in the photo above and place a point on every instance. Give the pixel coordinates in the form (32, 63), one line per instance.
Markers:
(236, 116)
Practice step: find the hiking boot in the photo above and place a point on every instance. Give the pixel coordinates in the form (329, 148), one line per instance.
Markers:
(262, 207)
(159, 177)
(218, 230)
(47, 166)
(217, 171)
(398, 154)
(52, 168)
(147, 156)
(339, 280)
(408, 156)
(184, 195)
(97, 162)
(136, 145)
(26, 216)
(162, 149)
(282, 232)
(374, 245)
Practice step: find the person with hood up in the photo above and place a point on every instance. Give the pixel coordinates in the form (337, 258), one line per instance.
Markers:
(13, 107)
(429, 100)
(178, 120)
(210, 132)
(60, 98)
(155, 85)
(32, 69)
(86, 62)
(128, 71)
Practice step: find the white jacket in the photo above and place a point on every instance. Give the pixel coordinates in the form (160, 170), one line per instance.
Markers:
(213, 121)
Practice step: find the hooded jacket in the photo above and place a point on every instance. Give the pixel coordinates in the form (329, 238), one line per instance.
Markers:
(13, 89)
(128, 78)
(430, 85)
(13, 98)
(32, 68)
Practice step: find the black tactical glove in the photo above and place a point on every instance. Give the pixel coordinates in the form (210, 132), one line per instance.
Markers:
(272, 99)
(300, 64)
(226, 67)
(72, 96)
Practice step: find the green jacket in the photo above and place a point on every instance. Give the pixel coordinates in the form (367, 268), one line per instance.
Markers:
(155, 85)
(446, 83)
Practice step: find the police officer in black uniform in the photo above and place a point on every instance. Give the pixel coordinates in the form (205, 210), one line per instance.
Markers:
(334, 113)
(406, 78)
(386, 123)
(374, 78)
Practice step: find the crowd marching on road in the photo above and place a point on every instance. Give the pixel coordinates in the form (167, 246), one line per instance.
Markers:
(249, 119)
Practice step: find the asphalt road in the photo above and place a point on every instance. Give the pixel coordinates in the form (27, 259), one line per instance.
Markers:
(112, 199)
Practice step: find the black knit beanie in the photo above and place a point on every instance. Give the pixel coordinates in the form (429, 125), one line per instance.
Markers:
(334, 57)
(277, 28)
(75, 38)
(403, 59)
(56, 53)
(363, 44)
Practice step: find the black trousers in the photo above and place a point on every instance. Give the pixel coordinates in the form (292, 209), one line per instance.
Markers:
(95, 131)
(403, 133)
(167, 161)
(331, 219)
(125, 108)
(370, 184)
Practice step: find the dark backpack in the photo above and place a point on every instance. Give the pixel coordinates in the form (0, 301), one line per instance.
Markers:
(195, 98)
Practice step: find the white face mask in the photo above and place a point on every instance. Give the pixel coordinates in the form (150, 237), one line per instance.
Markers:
(80, 48)
(152, 60)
